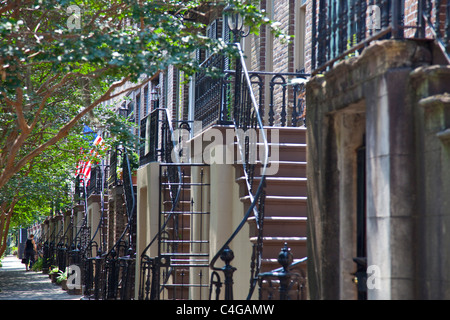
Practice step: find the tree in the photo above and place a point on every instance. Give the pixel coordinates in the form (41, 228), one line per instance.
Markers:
(66, 57)
(42, 184)
(60, 59)
(46, 182)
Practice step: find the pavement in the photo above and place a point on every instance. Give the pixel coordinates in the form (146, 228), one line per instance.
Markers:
(18, 284)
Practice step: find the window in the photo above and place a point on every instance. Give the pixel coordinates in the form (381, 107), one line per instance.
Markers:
(138, 109)
(145, 101)
(299, 40)
(130, 107)
(213, 31)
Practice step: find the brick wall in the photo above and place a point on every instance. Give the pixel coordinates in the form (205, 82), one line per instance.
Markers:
(410, 21)
(283, 55)
(116, 216)
(308, 33)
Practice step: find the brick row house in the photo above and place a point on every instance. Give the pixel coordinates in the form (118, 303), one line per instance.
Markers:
(196, 217)
(155, 236)
(223, 192)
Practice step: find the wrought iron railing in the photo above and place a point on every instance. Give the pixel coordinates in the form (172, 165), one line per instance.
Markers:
(96, 180)
(114, 163)
(343, 27)
(79, 191)
(62, 248)
(215, 96)
(435, 16)
(110, 274)
(161, 149)
(50, 246)
(211, 93)
(246, 117)
(78, 247)
(157, 136)
(285, 283)
(91, 258)
(245, 112)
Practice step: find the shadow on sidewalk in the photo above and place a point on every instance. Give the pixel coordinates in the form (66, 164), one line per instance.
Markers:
(18, 284)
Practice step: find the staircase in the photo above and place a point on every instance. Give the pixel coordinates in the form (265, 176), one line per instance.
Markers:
(285, 203)
(184, 253)
(182, 266)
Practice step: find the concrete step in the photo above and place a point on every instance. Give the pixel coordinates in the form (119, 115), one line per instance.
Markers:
(282, 206)
(280, 226)
(273, 245)
(286, 134)
(431, 80)
(280, 186)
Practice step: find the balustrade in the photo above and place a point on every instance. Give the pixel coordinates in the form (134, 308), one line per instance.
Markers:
(215, 96)
(342, 28)
(285, 283)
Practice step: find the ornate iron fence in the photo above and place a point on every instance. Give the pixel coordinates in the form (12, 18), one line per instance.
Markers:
(342, 27)
(285, 283)
(217, 96)
(162, 146)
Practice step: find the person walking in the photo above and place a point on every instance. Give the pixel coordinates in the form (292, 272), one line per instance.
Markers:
(30, 252)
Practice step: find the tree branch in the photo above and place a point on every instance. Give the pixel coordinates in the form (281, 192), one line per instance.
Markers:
(63, 132)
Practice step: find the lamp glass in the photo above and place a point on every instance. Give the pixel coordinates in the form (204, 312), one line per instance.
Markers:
(235, 22)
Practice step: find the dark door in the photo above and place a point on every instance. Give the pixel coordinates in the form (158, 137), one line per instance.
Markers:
(361, 250)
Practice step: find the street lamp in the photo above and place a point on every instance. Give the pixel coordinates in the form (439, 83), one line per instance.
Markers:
(155, 97)
(235, 23)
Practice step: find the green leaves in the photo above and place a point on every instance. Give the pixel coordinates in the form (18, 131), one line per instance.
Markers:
(58, 62)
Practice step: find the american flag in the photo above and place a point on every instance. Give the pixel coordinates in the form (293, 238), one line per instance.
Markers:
(84, 166)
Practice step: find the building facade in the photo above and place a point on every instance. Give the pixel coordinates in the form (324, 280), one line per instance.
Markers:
(365, 219)
(377, 128)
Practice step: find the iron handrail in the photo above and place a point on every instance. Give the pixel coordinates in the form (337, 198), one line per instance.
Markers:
(177, 196)
(339, 28)
(101, 257)
(144, 258)
(437, 36)
(102, 204)
(254, 198)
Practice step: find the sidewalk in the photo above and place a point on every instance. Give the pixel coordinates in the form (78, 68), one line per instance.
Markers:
(18, 284)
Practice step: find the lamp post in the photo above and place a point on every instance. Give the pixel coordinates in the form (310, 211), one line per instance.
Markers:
(235, 24)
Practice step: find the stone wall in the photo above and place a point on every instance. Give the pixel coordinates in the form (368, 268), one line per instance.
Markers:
(374, 97)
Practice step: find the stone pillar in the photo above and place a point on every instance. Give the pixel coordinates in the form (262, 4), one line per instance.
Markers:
(390, 186)
(431, 87)
(368, 93)
(147, 224)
